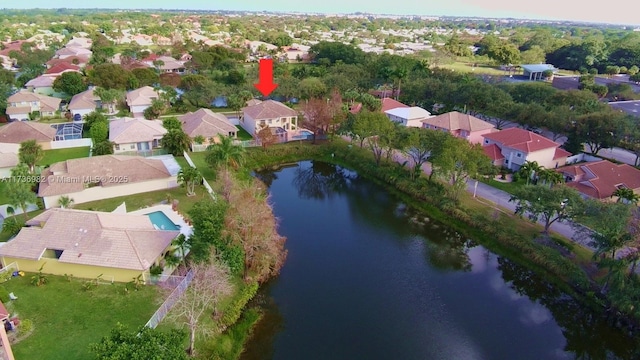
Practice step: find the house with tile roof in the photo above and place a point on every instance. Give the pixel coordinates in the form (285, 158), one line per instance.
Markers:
(460, 125)
(81, 42)
(105, 177)
(269, 113)
(389, 103)
(61, 68)
(67, 52)
(208, 124)
(19, 131)
(167, 64)
(8, 159)
(135, 135)
(80, 61)
(518, 146)
(84, 103)
(42, 85)
(140, 99)
(408, 116)
(600, 179)
(22, 103)
(87, 244)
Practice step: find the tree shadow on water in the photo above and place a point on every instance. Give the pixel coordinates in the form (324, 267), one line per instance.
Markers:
(319, 180)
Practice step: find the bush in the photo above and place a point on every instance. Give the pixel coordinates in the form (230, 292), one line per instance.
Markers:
(4, 295)
(25, 326)
(233, 312)
(156, 270)
(12, 227)
(5, 276)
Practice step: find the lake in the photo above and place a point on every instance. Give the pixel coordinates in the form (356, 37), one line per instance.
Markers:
(368, 278)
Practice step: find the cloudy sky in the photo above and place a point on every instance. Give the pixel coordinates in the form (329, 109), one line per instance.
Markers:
(624, 12)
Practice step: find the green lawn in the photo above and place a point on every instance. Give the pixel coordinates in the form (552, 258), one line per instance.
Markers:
(243, 134)
(139, 201)
(55, 120)
(508, 187)
(467, 67)
(66, 319)
(57, 155)
(4, 199)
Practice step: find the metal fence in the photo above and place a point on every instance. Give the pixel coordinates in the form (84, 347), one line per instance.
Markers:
(145, 153)
(170, 301)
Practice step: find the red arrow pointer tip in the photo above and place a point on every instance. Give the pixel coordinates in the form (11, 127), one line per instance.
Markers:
(265, 84)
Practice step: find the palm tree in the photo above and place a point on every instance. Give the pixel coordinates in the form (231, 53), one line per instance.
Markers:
(626, 195)
(30, 153)
(12, 212)
(65, 202)
(189, 177)
(225, 153)
(551, 177)
(529, 169)
(399, 73)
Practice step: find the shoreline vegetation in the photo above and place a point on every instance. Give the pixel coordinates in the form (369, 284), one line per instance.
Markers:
(560, 261)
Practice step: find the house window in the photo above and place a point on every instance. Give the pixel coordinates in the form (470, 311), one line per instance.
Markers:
(270, 121)
(621, 186)
(117, 147)
(133, 146)
(506, 161)
(486, 141)
(519, 155)
(155, 143)
(262, 123)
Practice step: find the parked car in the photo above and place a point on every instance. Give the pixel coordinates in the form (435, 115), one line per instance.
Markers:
(77, 117)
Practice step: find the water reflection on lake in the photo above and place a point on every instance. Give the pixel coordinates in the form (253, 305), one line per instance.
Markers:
(367, 278)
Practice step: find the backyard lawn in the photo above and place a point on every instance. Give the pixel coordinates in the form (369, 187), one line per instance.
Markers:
(57, 155)
(55, 120)
(3, 193)
(66, 318)
(243, 134)
(466, 67)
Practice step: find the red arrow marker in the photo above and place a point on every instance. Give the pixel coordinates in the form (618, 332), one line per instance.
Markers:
(266, 85)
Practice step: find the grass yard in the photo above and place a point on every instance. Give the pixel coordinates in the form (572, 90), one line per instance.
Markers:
(66, 318)
(467, 67)
(508, 187)
(139, 201)
(3, 193)
(55, 120)
(57, 155)
(243, 134)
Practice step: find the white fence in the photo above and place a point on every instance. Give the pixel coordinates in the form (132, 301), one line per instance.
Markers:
(198, 147)
(582, 157)
(65, 144)
(171, 300)
(11, 268)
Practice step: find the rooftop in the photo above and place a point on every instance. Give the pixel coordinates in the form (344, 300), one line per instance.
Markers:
(600, 179)
(521, 139)
(458, 121)
(389, 103)
(269, 109)
(19, 131)
(409, 113)
(130, 130)
(206, 123)
(82, 237)
(534, 68)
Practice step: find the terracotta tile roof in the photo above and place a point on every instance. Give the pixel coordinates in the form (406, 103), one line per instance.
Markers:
(69, 60)
(47, 103)
(253, 102)
(19, 131)
(11, 46)
(130, 130)
(121, 241)
(70, 176)
(389, 103)
(73, 51)
(355, 108)
(560, 153)
(269, 109)
(41, 81)
(206, 123)
(84, 100)
(521, 139)
(458, 121)
(493, 152)
(62, 67)
(573, 170)
(604, 177)
(141, 96)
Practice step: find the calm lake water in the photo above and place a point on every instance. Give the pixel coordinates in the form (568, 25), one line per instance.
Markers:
(366, 278)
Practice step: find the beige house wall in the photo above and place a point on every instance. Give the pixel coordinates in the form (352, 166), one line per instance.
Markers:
(54, 267)
(99, 192)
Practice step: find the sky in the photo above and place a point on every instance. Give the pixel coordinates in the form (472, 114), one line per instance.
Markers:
(625, 11)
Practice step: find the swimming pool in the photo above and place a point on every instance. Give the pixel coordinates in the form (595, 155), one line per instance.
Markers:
(303, 135)
(161, 221)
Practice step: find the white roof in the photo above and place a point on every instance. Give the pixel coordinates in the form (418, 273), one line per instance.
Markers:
(409, 113)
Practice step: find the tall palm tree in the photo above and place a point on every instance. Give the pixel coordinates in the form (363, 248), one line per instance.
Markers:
(399, 73)
(529, 169)
(626, 195)
(189, 177)
(225, 153)
(550, 177)
(30, 153)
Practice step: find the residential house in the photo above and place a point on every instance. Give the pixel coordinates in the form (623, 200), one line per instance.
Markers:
(20, 131)
(22, 103)
(84, 103)
(408, 116)
(6, 62)
(140, 99)
(162, 40)
(536, 71)
(269, 113)
(389, 104)
(80, 61)
(67, 52)
(296, 53)
(88, 244)
(42, 85)
(142, 39)
(600, 179)
(61, 68)
(129, 134)
(167, 64)
(460, 125)
(516, 146)
(81, 42)
(207, 124)
(105, 177)
(8, 159)
(257, 46)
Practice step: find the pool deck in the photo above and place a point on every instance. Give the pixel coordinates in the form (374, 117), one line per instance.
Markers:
(185, 229)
